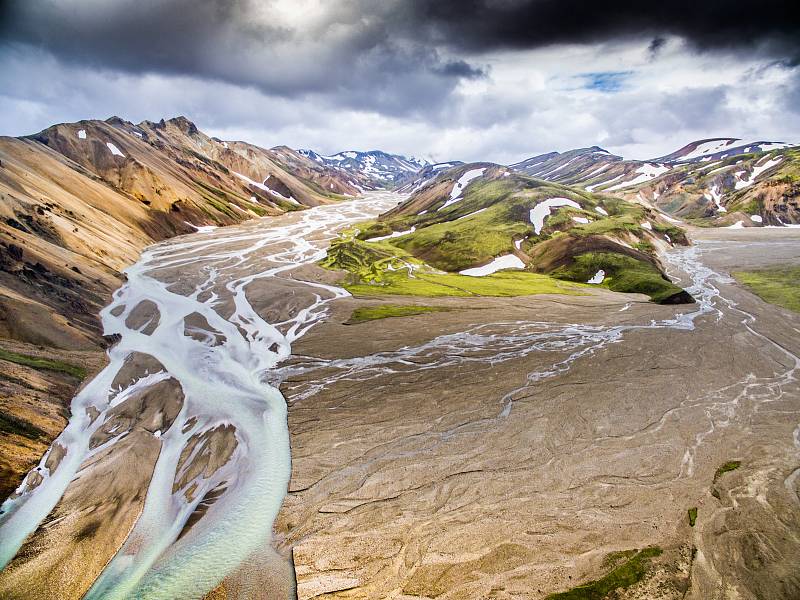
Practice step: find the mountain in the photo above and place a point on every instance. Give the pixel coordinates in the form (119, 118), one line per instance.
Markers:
(80, 200)
(425, 175)
(373, 169)
(719, 181)
(78, 203)
(480, 218)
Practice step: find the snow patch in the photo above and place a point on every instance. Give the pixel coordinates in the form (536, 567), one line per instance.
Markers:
(715, 195)
(114, 150)
(598, 277)
(757, 170)
(463, 182)
(261, 186)
(601, 210)
(542, 210)
(82, 134)
(470, 214)
(756, 218)
(646, 172)
(394, 234)
(201, 228)
(508, 261)
(582, 220)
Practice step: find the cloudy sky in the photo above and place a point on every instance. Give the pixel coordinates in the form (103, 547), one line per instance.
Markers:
(492, 80)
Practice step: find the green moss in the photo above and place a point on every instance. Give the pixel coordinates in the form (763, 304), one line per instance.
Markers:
(731, 465)
(386, 311)
(11, 425)
(625, 575)
(610, 225)
(378, 268)
(512, 283)
(43, 363)
(623, 274)
(459, 244)
(779, 285)
(692, 513)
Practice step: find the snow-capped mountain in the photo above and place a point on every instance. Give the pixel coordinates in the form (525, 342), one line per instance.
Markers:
(426, 175)
(726, 181)
(375, 168)
(718, 148)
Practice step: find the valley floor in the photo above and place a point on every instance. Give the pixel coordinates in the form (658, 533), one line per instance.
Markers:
(502, 448)
(479, 466)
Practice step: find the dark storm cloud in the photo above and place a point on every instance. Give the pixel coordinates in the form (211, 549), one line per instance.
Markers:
(469, 79)
(481, 25)
(409, 49)
(238, 42)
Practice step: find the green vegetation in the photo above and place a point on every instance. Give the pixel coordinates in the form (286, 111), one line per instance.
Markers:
(623, 274)
(731, 465)
(692, 513)
(625, 575)
(780, 285)
(43, 363)
(378, 268)
(385, 311)
(12, 425)
(460, 244)
(493, 215)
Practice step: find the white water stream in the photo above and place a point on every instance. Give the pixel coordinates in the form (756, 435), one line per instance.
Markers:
(222, 374)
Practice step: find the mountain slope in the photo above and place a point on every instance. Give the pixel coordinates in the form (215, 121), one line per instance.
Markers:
(80, 200)
(719, 181)
(481, 218)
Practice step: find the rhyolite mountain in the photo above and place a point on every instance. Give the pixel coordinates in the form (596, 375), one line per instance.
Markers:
(480, 218)
(718, 181)
(78, 202)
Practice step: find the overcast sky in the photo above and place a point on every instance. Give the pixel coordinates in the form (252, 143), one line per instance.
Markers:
(494, 80)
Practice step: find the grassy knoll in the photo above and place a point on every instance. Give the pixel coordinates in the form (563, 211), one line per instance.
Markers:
(625, 575)
(731, 465)
(386, 311)
(46, 364)
(623, 274)
(493, 219)
(692, 514)
(378, 268)
(11, 425)
(780, 285)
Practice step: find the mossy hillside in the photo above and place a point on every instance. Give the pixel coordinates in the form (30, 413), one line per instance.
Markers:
(692, 514)
(495, 213)
(779, 286)
(727, 467)
(388, 311)
(501, 284)
(459, 237)
(697, 181)
(378, 269)
(622, 274)
(628, 573)
(11, 425)
(45, 364)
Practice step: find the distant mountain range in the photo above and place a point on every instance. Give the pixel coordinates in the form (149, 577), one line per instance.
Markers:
(718, 181)
(377, 167)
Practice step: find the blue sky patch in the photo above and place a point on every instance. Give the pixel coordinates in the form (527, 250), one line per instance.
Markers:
(605, 81)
